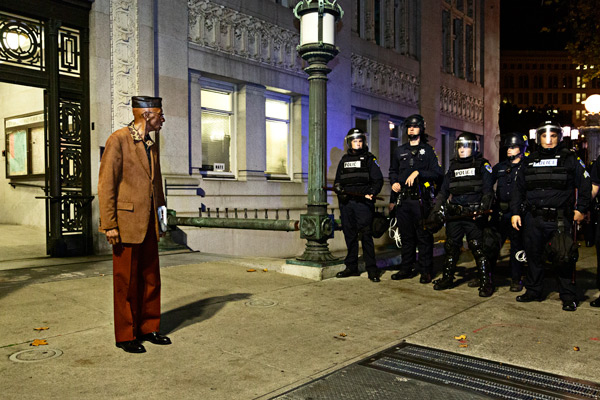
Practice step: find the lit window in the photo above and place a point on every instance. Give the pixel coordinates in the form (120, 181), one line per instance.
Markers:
(277, 113)
(217, 116)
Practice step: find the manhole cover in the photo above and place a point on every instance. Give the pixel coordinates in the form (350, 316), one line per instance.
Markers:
(35, 355)
(260, 303)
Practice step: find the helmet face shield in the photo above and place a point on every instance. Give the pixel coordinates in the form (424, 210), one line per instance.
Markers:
(464, 148)
(546, 133)
(414, 121)
(355, 134)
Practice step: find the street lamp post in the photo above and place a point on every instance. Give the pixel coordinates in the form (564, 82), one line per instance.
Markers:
(317, 47)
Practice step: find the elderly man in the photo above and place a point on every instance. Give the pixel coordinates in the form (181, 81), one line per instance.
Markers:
(130, 192)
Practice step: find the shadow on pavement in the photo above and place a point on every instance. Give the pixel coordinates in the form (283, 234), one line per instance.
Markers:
(196, 312)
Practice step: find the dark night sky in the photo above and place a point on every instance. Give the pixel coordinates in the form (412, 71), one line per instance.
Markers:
(520, 25)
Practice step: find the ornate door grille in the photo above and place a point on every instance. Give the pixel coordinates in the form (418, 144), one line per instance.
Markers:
(52, 54)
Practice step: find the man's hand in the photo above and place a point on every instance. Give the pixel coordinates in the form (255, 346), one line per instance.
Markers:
(112, 235)
(396, 187)
(369, 196)
(411, 179)
(515, 220)
(577, 216)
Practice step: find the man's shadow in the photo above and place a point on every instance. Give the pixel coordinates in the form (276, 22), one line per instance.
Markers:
(196, 312)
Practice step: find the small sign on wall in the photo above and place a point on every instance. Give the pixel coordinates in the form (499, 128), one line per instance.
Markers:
(219, 167)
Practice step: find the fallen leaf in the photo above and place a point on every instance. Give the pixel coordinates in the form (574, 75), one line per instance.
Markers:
(265, 270)
(594, 338)
(461, 337)
(39, 342)
(576, 348)
(250, 270)
(463, 345)
(462, 341)
(44, 328)
(343, 334)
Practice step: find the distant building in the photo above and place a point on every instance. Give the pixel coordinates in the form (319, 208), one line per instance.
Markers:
(235, 99)
(545, 79)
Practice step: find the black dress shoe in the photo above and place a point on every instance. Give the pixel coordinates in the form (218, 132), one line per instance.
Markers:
(402, 275)
(516, 285)
(569, 306)
(347, 272)
(156, 338)
(131, 346)
(374, 276)
(425, 278)
(595, 303)
(528, 297)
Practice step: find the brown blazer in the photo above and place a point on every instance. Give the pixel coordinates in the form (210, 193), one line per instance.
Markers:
(127, 190)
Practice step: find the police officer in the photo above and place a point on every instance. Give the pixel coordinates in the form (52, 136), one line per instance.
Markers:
(595, 187)
(357, 181)
(414, 172)
(505, 173)
(544, 205)
(469, 181)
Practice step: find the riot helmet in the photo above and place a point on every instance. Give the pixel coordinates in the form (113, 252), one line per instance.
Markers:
(466, 140)
(355, 133)
(416, 121)
(516, 139)
(543, 134)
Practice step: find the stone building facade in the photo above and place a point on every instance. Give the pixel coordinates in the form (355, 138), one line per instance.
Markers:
(235, 98)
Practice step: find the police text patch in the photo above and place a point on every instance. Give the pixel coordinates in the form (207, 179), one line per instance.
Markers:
(546, 163)
(464, 172)
(352, 164)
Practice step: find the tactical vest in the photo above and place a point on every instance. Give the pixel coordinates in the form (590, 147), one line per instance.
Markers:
(547, 171)
(355, 170)
(466, 178)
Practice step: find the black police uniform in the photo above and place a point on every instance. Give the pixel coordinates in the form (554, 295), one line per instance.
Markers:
(358, 173)
(469, 181)
(595, 173)
(414, 203)
(544, 196)
(505, 174)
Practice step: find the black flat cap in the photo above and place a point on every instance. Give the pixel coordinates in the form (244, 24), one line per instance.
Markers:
(146, 102)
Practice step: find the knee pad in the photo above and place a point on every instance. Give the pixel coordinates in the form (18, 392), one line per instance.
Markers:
(452, 249)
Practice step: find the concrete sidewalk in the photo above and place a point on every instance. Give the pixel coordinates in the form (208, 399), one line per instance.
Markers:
(253, 335)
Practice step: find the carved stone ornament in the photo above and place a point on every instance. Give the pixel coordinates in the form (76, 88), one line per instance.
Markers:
(124, 63)
(461, 105)
(372, 77)
(225, 30)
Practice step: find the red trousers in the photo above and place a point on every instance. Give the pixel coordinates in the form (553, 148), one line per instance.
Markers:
(136, 283)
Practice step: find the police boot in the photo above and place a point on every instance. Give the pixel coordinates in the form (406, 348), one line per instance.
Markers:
(487, 287)
(447, 279)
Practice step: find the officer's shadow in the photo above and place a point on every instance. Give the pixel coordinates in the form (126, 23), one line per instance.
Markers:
(196, 312)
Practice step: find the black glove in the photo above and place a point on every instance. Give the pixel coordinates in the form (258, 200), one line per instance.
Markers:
(338, 189)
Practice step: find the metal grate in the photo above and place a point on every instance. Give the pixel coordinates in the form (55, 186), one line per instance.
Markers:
(528, 377)
(410, 371)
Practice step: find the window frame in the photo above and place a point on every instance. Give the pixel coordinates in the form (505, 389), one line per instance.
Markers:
(207, 84)
(269, 95)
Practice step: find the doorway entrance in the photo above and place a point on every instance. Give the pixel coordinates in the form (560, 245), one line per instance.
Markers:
(44, 56)
(22, 172)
